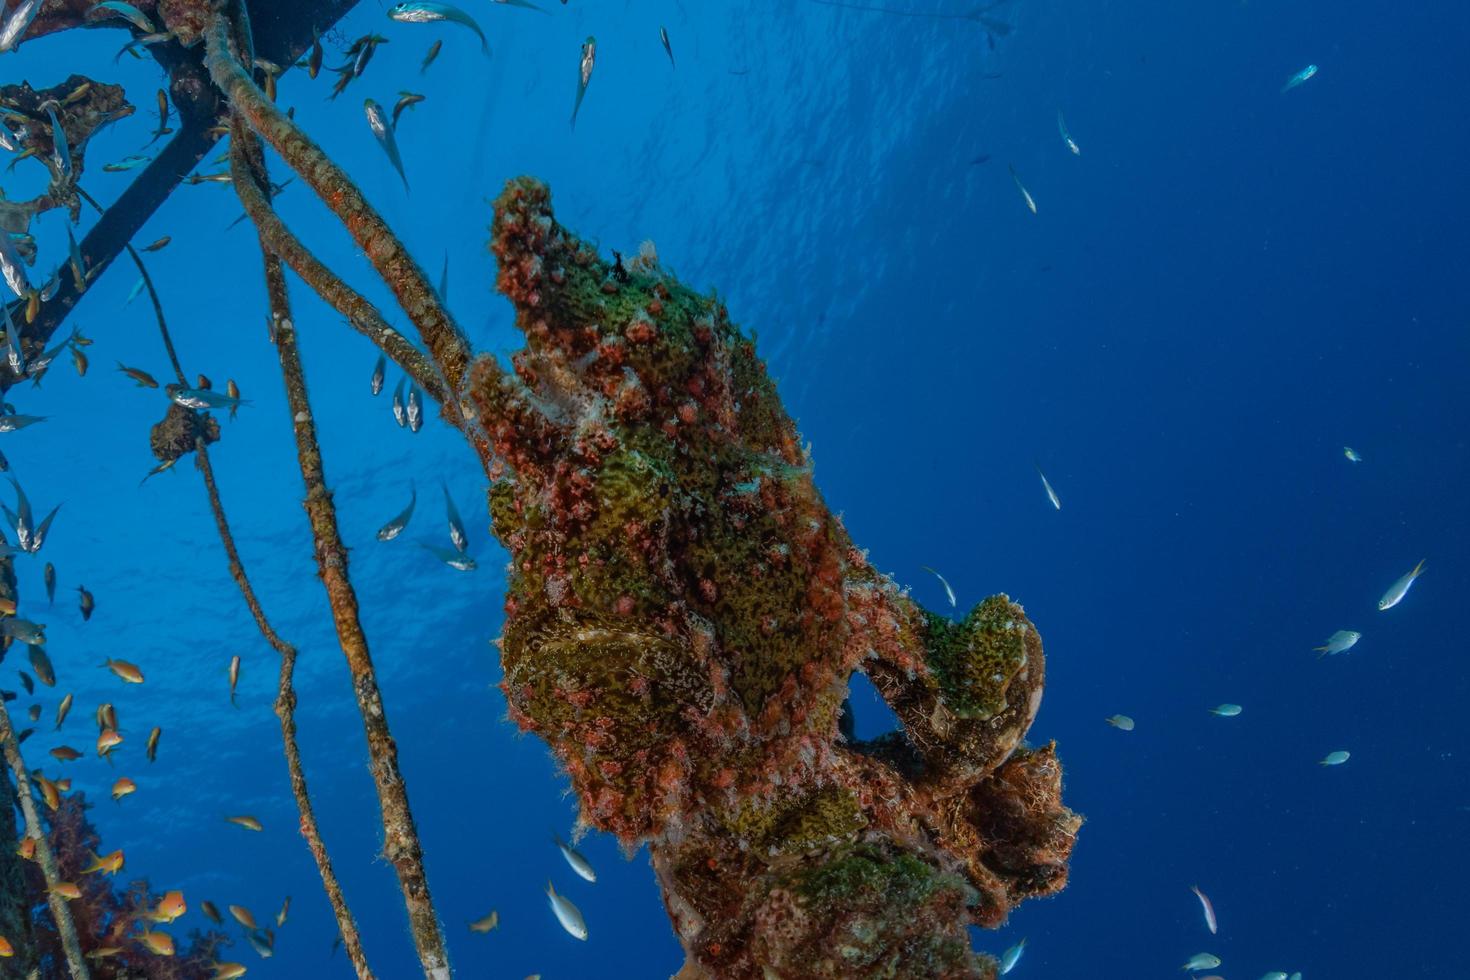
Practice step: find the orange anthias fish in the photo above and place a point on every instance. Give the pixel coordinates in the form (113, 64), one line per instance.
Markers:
(63, 785)
(169, 907)
(123, 787)
(228, 971)
(107, 741)
(65, 753)
(49, 792)
(106, 716)
(103, 952)
(246, 821)
(7, 950)
(158, 942)
(128, 672)
(27, 849)
(66, 890)
(153, 743)
(242, 915)
(108, 864)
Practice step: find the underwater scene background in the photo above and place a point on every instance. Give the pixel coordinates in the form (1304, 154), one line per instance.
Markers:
(1227, 285)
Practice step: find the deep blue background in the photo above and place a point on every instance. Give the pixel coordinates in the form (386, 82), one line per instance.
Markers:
(1227, 286)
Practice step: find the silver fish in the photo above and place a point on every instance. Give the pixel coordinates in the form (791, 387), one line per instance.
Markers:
(1298, 78)
(1399, 589)
(1066, 136)
(129, 13)
(1025, 194)
(566, 913)
(415, 409)
(455, 560)
(663, 35)
(13, 270)
(60, 152)
(456, 526)
(1046, 485)
(14, 355)
(126, 163)
(199, 398)
(38, 536)
(429, 13)
(383, 130)
(378, 374)
(584, 73)
(578, 863)
(22, 520)
(8, 140)
(395, 527)
(17, 24)
(1011, 957)
(525, 4)
(949, 592)
(14, 423)
(399, 415)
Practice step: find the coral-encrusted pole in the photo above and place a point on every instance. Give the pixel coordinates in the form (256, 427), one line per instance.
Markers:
(400, 835)
(10, 747)
(684, 615)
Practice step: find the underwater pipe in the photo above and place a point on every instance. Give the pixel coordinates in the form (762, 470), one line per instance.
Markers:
(65, 928)
(285, 706)
(401, 844)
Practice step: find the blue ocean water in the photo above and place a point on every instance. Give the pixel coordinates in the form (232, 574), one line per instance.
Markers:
(1223, 289)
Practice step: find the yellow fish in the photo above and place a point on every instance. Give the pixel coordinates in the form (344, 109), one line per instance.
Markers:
(123, 787)
(246, 821)
(65, 753)
(153, 743)
(242, 915)
(227, 971)
(169, 907)
(107, 741)
(108, 864)
(66, 890)
(158, 942)
(128, 672)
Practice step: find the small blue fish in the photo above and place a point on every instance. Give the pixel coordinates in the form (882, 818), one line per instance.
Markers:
(456, 526)
(455, 560)
(200, 398)
(378, 123)
(1011, 957)
(378, 370)
(1298, 78)
(133, 293)
(663, 35)
(429, 13)
(129, 13)
(126, 163)
(395, 527)
(60, 152)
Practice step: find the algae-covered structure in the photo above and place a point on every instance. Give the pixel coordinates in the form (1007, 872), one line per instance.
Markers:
(683, 618)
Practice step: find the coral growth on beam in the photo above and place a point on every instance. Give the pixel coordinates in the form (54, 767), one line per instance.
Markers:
(684, 614)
